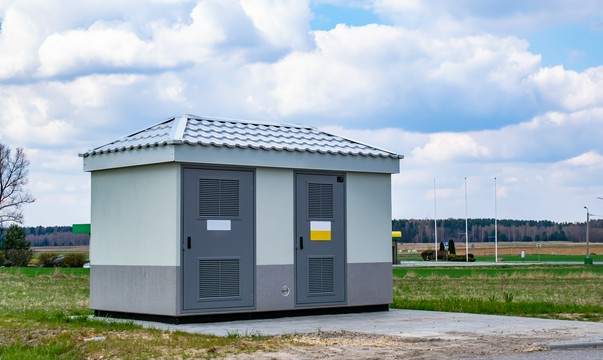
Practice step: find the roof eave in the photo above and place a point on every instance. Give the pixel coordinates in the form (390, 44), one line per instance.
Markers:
(236, 156)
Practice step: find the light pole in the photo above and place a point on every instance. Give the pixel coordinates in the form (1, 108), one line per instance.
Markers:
(495, 226)
(435, 221)
(587, 233)
(466, 227)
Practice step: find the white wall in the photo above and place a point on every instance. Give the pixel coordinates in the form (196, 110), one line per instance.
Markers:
(369, 216)
(274, 216)
(135, 216)
(368, 201)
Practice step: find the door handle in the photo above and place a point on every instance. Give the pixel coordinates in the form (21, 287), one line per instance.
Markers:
(188, 242)
(301, 242)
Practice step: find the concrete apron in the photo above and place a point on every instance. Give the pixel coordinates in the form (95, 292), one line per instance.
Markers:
(405, 323)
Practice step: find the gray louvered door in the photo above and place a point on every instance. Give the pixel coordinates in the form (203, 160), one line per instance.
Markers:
(218, 241)
(320, 239)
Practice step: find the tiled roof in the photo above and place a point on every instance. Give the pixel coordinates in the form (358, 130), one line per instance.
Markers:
(195, 130)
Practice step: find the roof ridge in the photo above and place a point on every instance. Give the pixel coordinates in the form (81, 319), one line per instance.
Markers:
(251, 122)
(147, 128)
(177, 131)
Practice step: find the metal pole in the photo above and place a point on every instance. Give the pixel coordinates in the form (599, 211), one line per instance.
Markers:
(538, 251)
(435, 221)
(587, 233)
(466, 226)
(495, 227)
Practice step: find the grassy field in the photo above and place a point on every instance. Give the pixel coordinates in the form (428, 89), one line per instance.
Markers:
(44, 312)
(551, 291)
(44, 315)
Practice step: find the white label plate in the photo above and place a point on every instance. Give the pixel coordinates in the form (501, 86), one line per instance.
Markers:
(218, 225)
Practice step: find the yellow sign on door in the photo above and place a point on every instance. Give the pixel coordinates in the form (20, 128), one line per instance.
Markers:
(320, 230)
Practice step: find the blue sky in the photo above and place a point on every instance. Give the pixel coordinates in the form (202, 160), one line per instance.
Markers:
(467, 88)
(574, 44)
(328, 15)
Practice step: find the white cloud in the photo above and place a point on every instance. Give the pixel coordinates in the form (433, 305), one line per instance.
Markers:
(117, 46)
(385, 72)
(100, 46)
(171, 88)
(591, 159)
(355, 70)
(285, 23)
(54, 161)
(551, 136)
(449, 146)
(26, 116)
(455, 99)
(570, 90)
(70, 39)
(19, 39)
(93, 91)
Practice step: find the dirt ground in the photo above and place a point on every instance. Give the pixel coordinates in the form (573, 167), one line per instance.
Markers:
(350, 345)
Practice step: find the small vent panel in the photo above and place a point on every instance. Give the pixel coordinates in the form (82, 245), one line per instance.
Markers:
(218, 198)
(320, 201)
(321, 276)
(218, 278)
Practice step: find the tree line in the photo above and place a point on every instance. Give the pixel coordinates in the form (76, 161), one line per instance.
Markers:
(413, 231)
(55, 236)
(482, 230)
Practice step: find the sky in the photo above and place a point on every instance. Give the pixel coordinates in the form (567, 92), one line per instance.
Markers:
(507, 94)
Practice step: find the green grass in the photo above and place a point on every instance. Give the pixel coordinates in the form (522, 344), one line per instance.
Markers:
(44, 314)
(35, 271)
(550, 291)
(498, 271)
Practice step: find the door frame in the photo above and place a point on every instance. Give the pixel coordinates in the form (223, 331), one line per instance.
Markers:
(345, 237)
(181, 237)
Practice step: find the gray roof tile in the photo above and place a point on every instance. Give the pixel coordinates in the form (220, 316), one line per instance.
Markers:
(241, 134)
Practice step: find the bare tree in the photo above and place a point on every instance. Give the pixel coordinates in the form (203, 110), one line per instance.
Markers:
(13, 178)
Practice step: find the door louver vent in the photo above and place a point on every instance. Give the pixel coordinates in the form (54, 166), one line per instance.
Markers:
(321, 275)
(218, 198)
(218, 278)
(320, 201)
